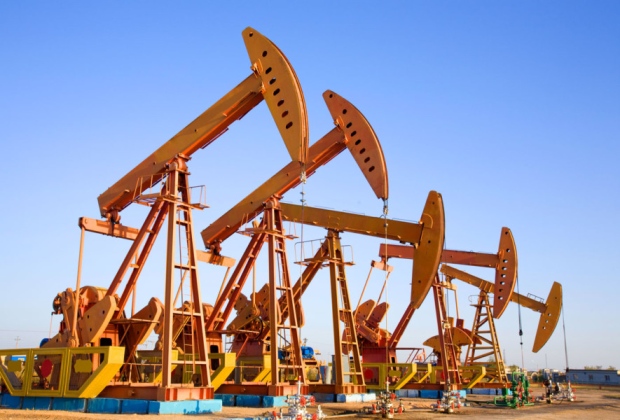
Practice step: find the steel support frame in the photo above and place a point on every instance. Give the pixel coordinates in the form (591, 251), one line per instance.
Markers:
(448, 354)
(173, 198)
(340, 293)
(497, 372)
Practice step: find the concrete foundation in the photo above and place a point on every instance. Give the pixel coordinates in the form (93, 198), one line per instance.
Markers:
(112, 405)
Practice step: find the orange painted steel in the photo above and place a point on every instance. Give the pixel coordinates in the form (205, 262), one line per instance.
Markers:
(321, 152)
(550, 310)
(485, 343)
(273, 79)
(427, 236)
(505, 263)
(352, 131)
(448, 355)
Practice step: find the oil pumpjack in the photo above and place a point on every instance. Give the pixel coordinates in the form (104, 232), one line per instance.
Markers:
(97, 336)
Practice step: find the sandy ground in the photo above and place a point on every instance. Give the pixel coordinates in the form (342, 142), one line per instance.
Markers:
(591, 402)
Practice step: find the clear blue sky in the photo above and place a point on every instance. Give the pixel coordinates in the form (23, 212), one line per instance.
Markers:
(510, 109)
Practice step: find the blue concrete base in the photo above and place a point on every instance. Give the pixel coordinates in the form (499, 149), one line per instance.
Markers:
(69, 404)
(134, 407)
(408, 393)
(430, 393)
(324, 398)
(185, 407)
(9, 401)
(346, 398)
(28, 403)
(369, 397)
(248, 400)
(270, 402)
(43, 403)
(252, 418)
(484, 391)
(36, 403)
(228, 400)
(104, 406)
(413, 393)
(401, 393)
(462, 393)
(112, 405)
(434, 394)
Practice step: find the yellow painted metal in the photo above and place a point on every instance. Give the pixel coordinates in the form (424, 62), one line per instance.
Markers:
(403, 371)
(264, 363)
(485, 343)
(67, 375)
(549, 318)
(13, 372)
(153, 359)
(83, 366)
(101, 376)
(475, 373)
(426, 370)
(14, 366)
(225, 368)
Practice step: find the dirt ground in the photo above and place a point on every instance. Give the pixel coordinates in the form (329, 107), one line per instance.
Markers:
(591, 402)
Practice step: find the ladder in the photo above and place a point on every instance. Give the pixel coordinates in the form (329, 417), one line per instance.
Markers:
(449, 359)
(345, 343)
(186, 322)
(485, 343)
(281, 291)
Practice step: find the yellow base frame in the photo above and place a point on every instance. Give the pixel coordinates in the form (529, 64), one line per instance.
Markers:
(74, 374)
(477, 373)
(404, 371)
(218, 376)
(225, 368)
